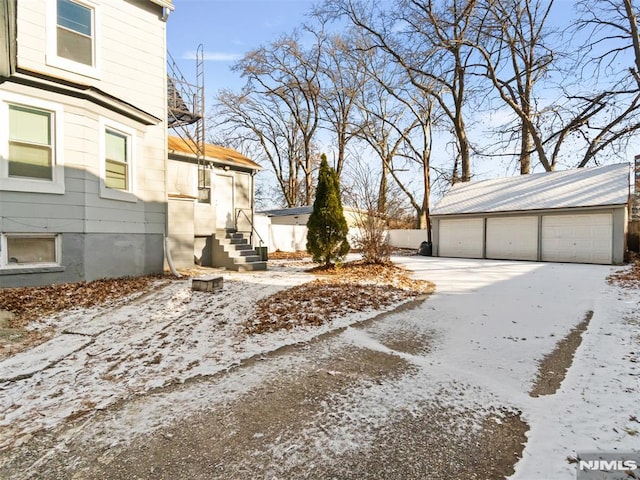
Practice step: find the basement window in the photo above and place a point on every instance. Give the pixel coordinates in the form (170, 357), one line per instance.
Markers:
(26, 250)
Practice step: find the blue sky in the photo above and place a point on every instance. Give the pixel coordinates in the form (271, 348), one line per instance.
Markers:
(227, 29)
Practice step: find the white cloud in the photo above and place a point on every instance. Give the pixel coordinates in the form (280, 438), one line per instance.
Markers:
(213, 56)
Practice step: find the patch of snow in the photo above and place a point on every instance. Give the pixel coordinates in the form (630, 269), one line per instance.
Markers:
(491, 323)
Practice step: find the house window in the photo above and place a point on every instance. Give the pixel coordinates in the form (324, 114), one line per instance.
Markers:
(74, 32)
(29, 250)
(116, 161)
(30, 143)
(204, 185)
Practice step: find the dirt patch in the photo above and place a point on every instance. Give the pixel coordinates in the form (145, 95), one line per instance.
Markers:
(438, 443)
(232, 440)
(553, 367)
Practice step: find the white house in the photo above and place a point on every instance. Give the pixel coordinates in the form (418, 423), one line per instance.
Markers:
(211, 207)
(83, 139)
(569, 216)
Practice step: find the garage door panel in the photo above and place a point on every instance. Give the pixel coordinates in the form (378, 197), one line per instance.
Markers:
(512, 238)
(585, 238)
(461, 238)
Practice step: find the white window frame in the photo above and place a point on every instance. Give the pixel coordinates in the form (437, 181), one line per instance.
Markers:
(128, 195)
(4, 257)
(24, 184)
(52, 59)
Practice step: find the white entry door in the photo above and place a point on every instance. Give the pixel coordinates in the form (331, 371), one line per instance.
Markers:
(584, 238)
(223, 197)
(512, 238)
(461, 238)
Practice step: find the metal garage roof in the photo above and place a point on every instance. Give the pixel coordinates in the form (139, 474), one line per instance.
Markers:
(583, 187)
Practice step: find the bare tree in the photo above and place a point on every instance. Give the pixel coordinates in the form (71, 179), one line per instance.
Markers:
(288, 75)
(396, 124)
(513, 44)
(608, 112)
(428, 39)
(342, 78)
(258, 123)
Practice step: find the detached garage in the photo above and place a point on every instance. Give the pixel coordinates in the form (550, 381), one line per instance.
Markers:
(575, 216)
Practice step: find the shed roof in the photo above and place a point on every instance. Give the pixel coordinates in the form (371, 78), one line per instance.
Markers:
(214, 153)
(583, 187)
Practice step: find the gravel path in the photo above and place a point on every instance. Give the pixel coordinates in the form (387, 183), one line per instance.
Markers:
(308, 411)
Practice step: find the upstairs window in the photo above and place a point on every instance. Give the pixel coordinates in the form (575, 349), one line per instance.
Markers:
(75, 32)
(30, 143)
(116, 160)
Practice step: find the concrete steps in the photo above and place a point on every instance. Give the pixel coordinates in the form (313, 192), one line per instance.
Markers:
(232, 251)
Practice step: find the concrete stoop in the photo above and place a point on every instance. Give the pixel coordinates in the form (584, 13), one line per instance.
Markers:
(232, 251)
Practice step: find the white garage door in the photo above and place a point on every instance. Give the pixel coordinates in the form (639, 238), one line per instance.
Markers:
(512, 238)
(577, 238)
(461, 238)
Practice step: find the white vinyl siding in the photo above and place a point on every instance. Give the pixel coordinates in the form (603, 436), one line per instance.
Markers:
(584, 238)
(512, 238)
(461, 238)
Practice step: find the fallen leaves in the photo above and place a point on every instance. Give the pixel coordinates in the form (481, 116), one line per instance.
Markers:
(30, 303)
(345, 289)
(627, 278)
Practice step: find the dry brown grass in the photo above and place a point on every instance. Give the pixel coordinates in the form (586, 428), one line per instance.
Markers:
(30, 303)
(341, 290)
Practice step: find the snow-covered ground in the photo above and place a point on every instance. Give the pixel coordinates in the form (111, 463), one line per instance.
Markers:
(500, 318)
(493, 322)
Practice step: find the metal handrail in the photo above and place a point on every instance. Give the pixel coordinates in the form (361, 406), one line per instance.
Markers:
(253, 228)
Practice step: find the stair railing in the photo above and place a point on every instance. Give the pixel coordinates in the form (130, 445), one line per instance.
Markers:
(243, 212)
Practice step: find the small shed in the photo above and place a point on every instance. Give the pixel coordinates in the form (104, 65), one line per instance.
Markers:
(575, 216)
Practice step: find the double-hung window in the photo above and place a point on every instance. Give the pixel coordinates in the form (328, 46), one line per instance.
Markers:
(73, 36)
(116, 160)
(118, 147)
(30, 143)
(31, 152)
(74, 32)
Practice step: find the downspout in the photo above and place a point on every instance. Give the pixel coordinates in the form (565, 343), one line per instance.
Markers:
(167, 248)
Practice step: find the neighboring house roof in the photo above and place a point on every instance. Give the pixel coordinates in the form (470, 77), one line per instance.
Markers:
(304, 210)
(283, 212)
(583, 187)
(214, 153)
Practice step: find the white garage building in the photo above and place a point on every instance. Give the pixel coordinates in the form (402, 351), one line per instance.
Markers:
(570, 216)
